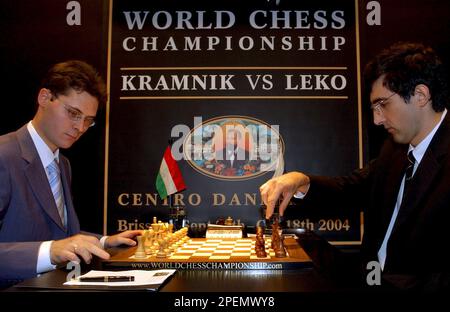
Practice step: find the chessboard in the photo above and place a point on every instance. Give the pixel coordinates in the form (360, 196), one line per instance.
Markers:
(201, 253)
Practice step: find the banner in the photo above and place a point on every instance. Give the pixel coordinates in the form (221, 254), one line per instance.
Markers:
(274, 80)
(279, 76)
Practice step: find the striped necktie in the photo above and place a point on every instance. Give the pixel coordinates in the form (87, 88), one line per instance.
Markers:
(56, 186)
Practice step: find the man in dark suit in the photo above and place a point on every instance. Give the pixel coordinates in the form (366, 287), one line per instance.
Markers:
(39, 228)
(232, 159)
(405, 191)
(232, 155)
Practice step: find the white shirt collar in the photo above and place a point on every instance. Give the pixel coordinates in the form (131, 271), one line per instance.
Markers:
(421, 148)
(45, 153)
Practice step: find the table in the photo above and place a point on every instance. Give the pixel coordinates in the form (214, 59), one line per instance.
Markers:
(327, 278)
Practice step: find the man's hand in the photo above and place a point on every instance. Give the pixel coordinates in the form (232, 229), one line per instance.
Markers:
(123, 238)
(74, 247)
(286, 186)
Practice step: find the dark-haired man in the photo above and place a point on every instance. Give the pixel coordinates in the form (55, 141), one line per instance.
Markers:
(406, 190)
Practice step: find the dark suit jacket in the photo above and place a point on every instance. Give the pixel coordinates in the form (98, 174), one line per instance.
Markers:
(241, 157)
(28, 213)
(417, 251)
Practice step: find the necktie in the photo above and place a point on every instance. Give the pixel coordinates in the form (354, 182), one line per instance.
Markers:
(409, 172)
(231, 157)
(56, 186)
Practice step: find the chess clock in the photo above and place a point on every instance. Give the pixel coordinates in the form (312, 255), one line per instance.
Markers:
(224, 231)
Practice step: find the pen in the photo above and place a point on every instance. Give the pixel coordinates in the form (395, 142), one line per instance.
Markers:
(107, 279)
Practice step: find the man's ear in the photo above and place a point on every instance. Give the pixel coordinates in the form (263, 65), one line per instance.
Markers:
(422, 94)
(44, 97)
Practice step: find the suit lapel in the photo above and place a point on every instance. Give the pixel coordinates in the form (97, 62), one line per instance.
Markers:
(390, 187)
(72, 220)
(37, 177)
(419, 187)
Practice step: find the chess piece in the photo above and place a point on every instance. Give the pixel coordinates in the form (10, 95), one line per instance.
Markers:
(275, 235)
(277, 241)
(155, 221)
(157, 228)
(260, 245)
(140, 251)
(229, 221)
(162, 253)
(172, 243)
(149, 241)
(279, 249)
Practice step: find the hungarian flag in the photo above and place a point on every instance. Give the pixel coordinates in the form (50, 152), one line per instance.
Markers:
(169, 179)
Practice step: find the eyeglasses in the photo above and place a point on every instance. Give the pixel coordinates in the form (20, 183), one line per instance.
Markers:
(379, 106)
(76, 115)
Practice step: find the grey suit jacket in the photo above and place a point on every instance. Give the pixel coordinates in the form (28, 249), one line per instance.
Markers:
(28, 213)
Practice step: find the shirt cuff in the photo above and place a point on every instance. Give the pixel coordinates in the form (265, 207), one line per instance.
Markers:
(44, 263)
(300, 195)
(102, 241)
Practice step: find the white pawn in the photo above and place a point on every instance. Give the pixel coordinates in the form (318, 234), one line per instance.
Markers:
(140, 251)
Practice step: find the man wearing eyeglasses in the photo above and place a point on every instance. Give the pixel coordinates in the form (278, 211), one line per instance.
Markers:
(39, 228)
(405, 192)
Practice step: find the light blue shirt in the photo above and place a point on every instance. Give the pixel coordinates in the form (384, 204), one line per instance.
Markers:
(46, 155)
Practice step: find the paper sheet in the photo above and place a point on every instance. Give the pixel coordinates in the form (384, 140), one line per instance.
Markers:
(141, 277)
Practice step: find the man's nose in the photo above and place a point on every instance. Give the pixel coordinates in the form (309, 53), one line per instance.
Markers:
(378, 119)
(80, 125)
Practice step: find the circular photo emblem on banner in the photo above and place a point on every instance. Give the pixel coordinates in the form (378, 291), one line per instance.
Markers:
(234, 148)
